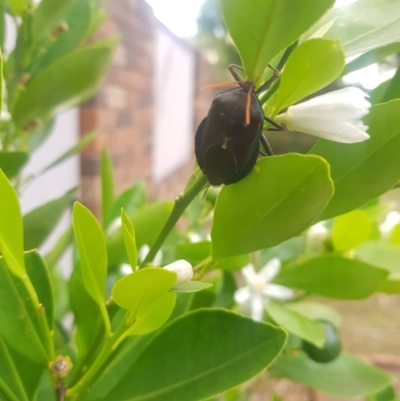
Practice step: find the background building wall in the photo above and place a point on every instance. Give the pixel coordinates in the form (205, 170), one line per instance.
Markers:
(148, 108)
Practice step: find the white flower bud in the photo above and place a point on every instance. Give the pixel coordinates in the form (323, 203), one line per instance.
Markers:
(183, 270)
(335, 116)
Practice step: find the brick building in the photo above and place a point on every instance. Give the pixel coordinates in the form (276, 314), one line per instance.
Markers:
(148, 108)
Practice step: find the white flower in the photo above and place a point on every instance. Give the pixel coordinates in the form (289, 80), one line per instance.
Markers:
(259, 288)
(183, 270)
(391, 220)
(317, 233)
(335, 116)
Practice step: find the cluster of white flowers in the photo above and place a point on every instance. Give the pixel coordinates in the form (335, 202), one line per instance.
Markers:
(335, 116)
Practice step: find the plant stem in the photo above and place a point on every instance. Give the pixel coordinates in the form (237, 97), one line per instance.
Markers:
(181, 203)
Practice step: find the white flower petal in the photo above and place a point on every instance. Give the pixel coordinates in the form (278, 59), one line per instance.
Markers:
(183, 270)
(335, 116)
(158, 259)
(278, 291)
(257, 307)
(270, 270)
(242, 295)
(249, 273)
(143, 251)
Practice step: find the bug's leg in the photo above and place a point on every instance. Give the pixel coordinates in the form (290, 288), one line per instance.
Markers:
(266, 145)
(235, 75)
(275, 124)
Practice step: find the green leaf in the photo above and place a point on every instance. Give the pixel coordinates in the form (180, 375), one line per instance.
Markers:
(315, 311)
(350, 230)
(107, 185)
(12, 162)
(148, 222)
(385, 256)
(93, 254)
(345, 377)
(154, 318)
(228, 349)
(9, 374)
(40, 222)
(88, 316)
(11, 233)
(1, 81)
(313, 65)
(262, 28)
(63, 242)
(65, 83)
(19, 324)
(297, 324)
(334, 277)
(46, 17)
(280, 197)
(129, 239)
(130, 200)
(362, 25)
(371, 57)
(40, 278)
(138, 292)
(17, 6)
(83, 142)
(393, 89)
(191, 286)
(386, 394)
(363, 171)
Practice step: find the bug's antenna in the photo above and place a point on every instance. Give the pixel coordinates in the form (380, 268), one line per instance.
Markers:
(248, 104)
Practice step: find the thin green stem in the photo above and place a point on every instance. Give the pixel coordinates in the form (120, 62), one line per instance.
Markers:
(273, 88)
(181, 203)
(266, 145)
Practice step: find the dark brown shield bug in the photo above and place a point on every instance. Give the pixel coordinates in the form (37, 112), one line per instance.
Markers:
(227, 140)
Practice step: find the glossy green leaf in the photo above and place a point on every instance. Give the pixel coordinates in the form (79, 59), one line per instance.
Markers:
(93, 254)
(65, 83)
(297, 324)
(362, 25)
(139, 291)
(83, 142)
(260, 29)
(350, 230)
(313, 65)
(385, 256)
(345, 377)
(363, 171)
(314, 310)
(128, 233)
(280, 197)
(155, 317)
(191, 286)
(46, 17)
(333, 276)
(40, 222)
(11, 232)
(107, 184)
(386, 394)
(12, 162)
(40, 278)
(19, 324)
(148, 222)
(228, 349)
(130, 200)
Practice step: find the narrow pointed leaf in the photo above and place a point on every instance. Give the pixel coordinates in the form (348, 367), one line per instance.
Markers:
(128, 233)
(12, 162)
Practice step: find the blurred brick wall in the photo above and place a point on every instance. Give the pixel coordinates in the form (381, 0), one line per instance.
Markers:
(123, 108)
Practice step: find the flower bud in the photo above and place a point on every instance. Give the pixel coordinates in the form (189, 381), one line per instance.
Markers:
(182, 269)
